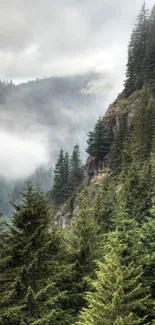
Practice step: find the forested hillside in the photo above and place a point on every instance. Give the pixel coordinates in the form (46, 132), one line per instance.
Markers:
(99, 269)
(47, 110)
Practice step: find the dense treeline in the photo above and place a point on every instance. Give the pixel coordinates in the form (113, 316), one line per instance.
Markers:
(98, 270)
(141, 53)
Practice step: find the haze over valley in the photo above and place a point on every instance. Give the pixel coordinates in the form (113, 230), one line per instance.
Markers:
(67, 64)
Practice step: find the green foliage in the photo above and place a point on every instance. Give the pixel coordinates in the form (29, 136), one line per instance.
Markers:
(76, 169)
(117, 292)
(141, 50)
(105, 204)
(136, 191)
(29, 265)
(116, 150)
(83, 247)
(68, 174)
(99, 140)
(139, 138)
(100, 269)
(142, 131)
(150, 52)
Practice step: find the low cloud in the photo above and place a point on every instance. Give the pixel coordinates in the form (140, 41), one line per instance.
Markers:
(43, 38)
(20, 156)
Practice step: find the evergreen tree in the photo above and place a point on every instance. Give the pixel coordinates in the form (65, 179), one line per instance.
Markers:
(105, 204)
(116, 150)
(136, 191)
(29, 268)
(99, 140)
(149, 245)
(139, 140)
(83, 246)
(135, 75)
(117, 292)
(150, 53)
(58, 182)
(76, 168)
(130, 82)
(66, 176)
(141, 41)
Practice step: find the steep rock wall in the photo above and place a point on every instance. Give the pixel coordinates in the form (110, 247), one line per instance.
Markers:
(122, 107)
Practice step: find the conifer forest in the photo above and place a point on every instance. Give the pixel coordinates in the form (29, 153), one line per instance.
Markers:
(81, 250)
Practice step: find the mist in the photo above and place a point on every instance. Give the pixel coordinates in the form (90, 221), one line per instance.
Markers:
(39, 118)
(21, 155)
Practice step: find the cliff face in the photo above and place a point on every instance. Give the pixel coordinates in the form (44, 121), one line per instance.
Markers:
(122, 107)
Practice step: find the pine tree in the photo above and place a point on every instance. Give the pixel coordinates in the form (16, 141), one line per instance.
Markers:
(83, 246)
(99, 140)
(142, 32)
(150, 53)
(30, 266)
(105, 204)
(116, 151)
(130, 82)
(76, 168)
(117, 292)
(58, 182)
(149, 245)
(136, 191)
(137, 49)
(66, 176)
(140, 138)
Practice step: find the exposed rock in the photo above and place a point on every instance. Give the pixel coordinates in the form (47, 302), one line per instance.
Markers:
(62, 216)
(92, 165)
(122, 107)
(99, 178)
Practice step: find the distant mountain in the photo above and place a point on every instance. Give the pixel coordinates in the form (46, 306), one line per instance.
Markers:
(63, 108)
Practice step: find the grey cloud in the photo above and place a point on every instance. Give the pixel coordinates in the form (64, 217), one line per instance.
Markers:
(42, 38)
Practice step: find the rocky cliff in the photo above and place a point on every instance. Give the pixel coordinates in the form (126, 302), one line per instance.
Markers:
(122, 107)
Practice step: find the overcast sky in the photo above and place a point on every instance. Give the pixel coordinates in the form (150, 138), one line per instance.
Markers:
(43, 37)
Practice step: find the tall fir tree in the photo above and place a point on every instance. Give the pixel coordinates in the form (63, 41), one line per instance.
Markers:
(76, 168)
(141, 41)
(58, 182)
(29, 267)
(116, 151)
(99, 140)
(117, 292)
(150, 52)
(136, 191)
(135, 75)
(105, 204)
(83, 247)
(66, 176)
(130, 84)
(139, 140)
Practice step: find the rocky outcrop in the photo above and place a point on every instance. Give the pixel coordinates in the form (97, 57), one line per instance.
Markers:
(62, 216)
(92, 166)
(121, 108)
